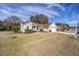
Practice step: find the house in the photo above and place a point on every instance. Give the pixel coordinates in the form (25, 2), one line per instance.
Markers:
(39, 27)
(60, 28)
(52, 27)
(45, 27)
(28, 26)
(63, 27)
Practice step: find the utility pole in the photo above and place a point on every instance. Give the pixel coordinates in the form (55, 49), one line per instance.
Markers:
(76, 27)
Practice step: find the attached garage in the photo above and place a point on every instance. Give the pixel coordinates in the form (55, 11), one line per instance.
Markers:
(52, 27)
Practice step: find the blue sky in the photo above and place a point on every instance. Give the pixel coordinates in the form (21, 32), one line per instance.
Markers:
(66, 13)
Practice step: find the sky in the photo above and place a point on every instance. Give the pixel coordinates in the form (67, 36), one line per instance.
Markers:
(56, 12)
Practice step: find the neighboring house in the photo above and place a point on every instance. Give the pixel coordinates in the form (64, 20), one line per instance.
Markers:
(66, 27)
(52, 27)
(62, 28)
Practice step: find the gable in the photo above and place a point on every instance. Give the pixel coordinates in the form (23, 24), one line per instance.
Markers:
(53, 25)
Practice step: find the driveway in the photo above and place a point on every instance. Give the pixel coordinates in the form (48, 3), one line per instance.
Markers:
(66, 33)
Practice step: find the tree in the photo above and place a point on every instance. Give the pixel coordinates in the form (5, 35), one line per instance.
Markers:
(13, 19)
(1, 26)
(12, 22)
(41, 19)
(60, 24)
(32, 18)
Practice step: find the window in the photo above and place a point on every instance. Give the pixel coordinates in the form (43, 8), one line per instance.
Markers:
(33, 27)
(27, 27)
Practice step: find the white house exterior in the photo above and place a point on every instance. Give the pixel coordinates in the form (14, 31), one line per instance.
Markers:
(45, 30)
(29, 26)
(36, 27)
(52, 27)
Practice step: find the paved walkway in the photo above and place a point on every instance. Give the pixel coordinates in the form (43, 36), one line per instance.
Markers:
(66, 33)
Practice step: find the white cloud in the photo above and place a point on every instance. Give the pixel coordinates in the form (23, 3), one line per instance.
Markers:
(4, 11)
(41, 10)
(25, 12)
(8, 8)
(56, 5)
(71, 22)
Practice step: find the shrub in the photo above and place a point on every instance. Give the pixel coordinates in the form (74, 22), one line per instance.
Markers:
(50, 31)
(41, 30)
(16, 29)
(29, 31)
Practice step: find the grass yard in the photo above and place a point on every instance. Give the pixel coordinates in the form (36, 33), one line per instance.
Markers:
(38, 44)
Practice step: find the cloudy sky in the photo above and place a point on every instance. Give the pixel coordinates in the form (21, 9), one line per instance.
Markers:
(66, 13)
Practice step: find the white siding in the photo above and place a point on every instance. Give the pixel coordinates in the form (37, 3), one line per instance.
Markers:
(23, 27)
(53, 27)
